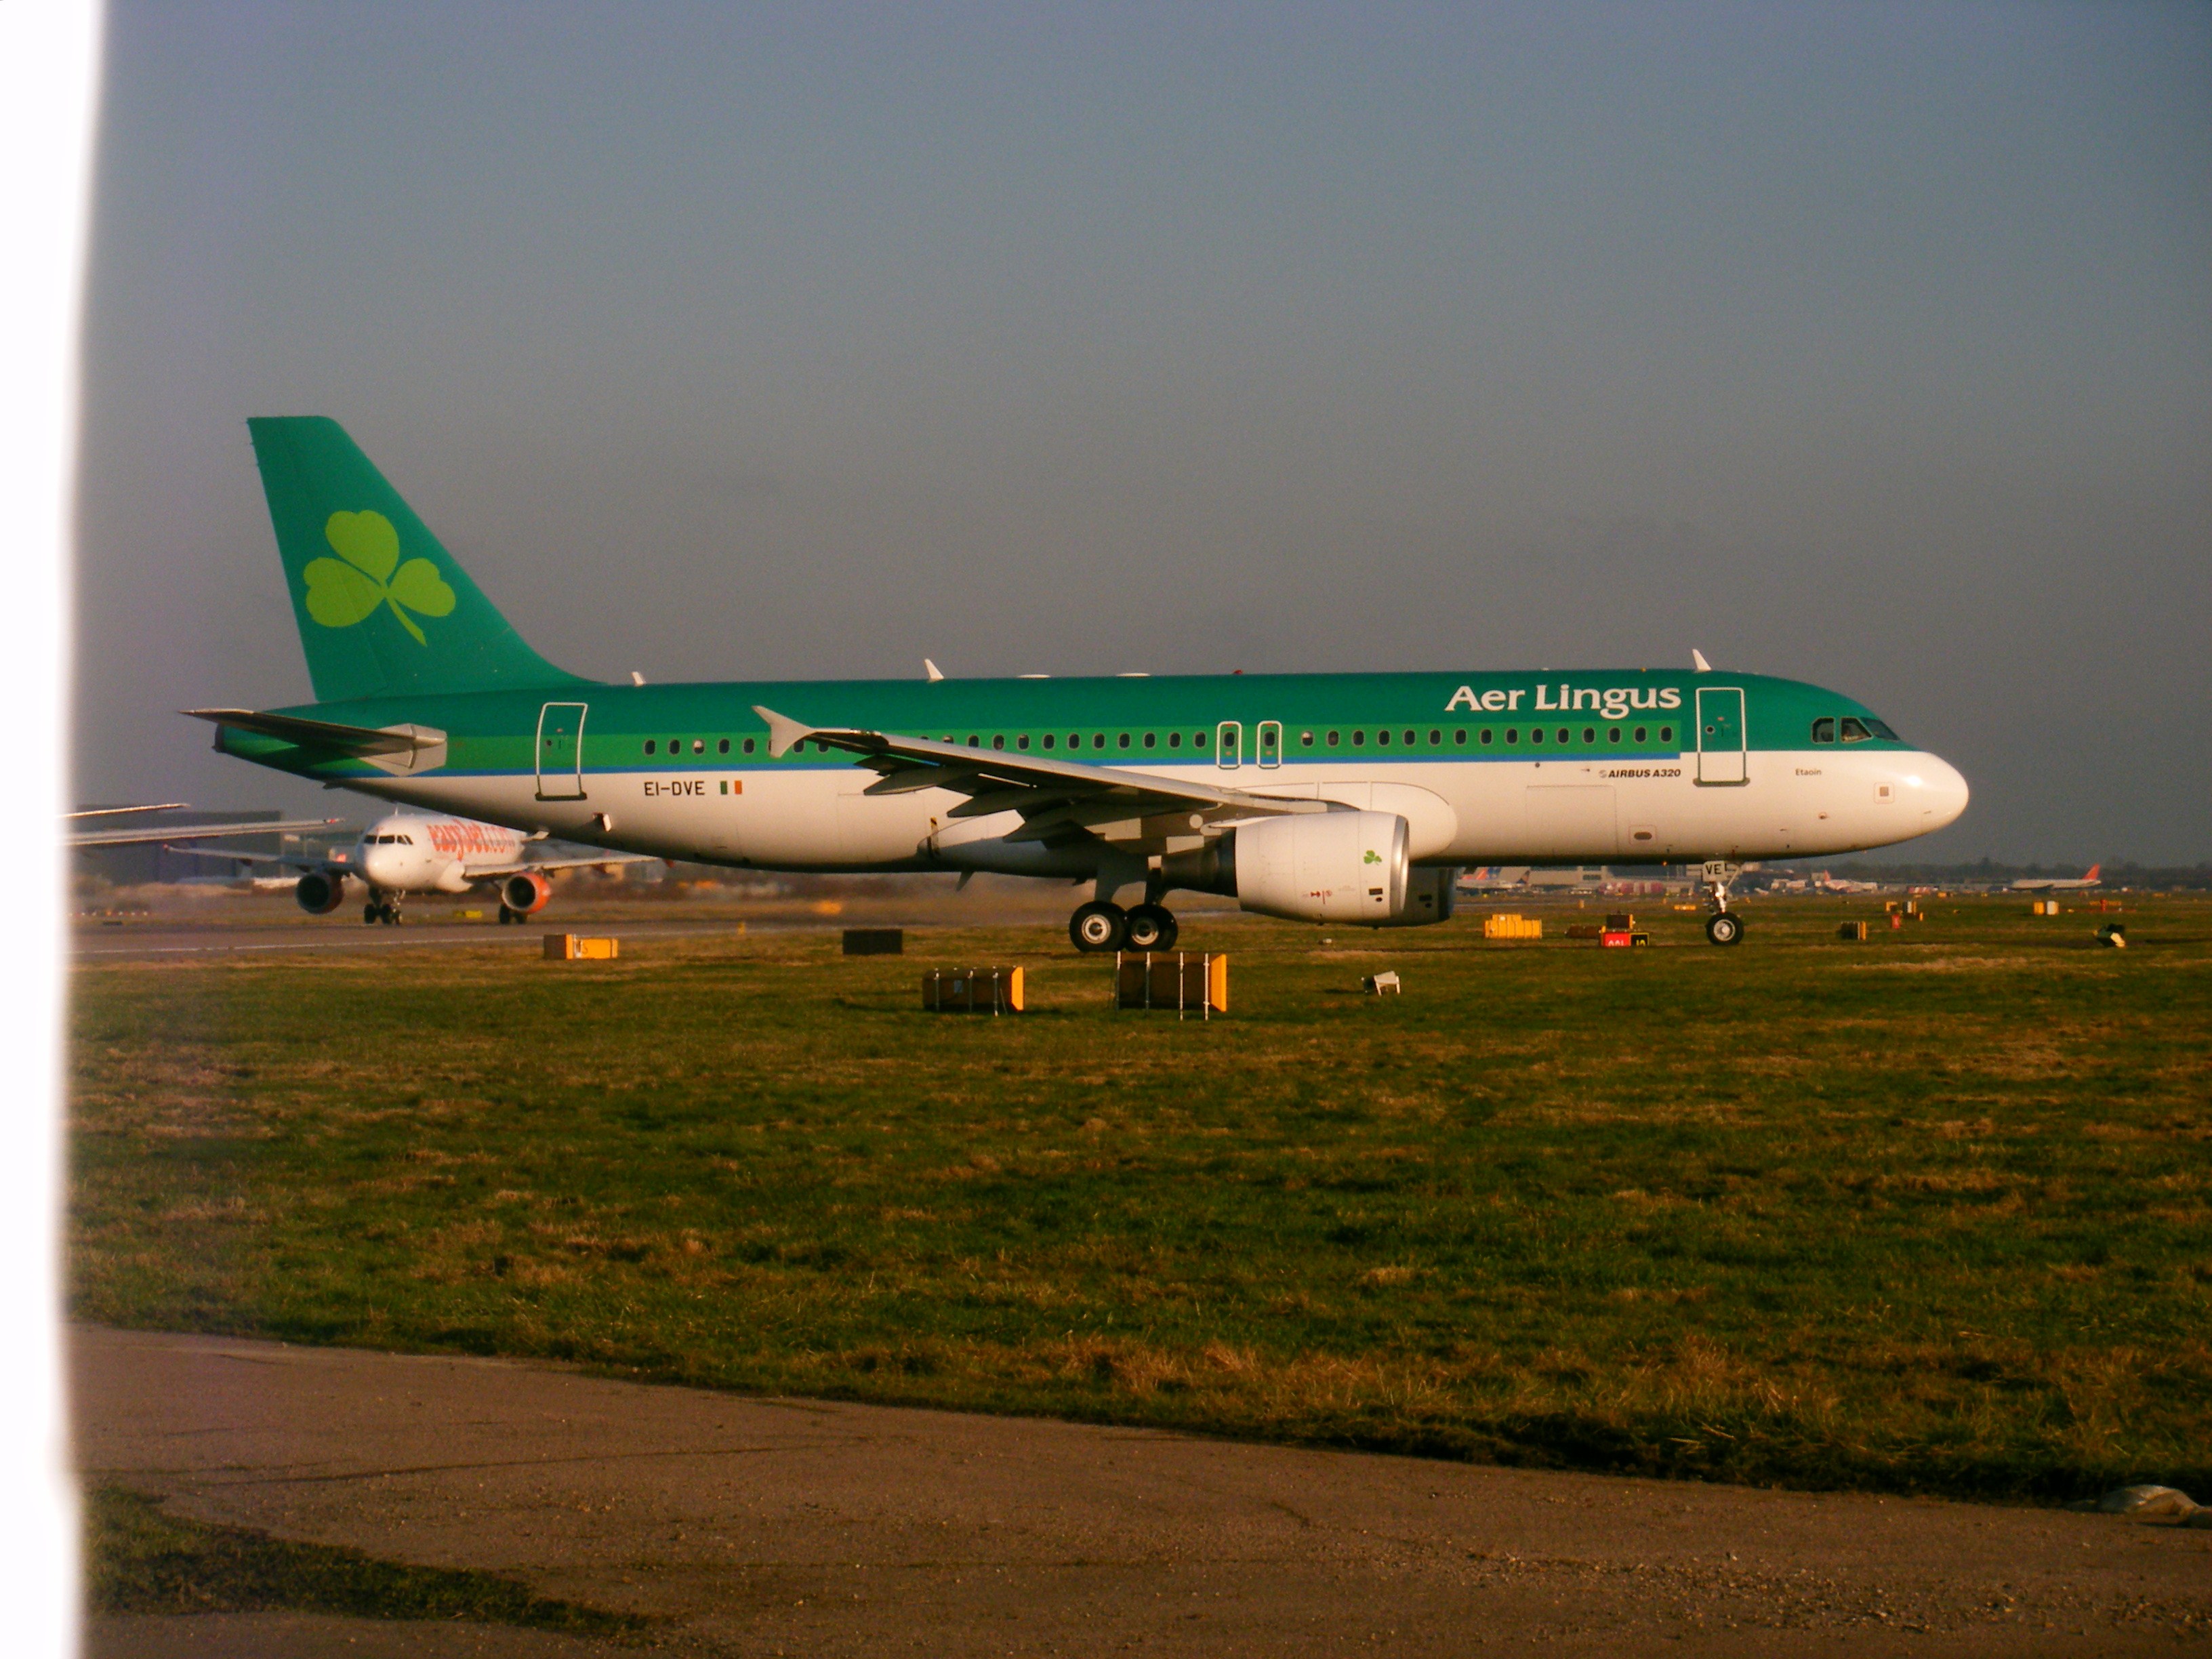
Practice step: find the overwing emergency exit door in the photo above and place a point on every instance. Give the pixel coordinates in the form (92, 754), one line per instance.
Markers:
(1270, 743)
(561, 751)
(1721, 735)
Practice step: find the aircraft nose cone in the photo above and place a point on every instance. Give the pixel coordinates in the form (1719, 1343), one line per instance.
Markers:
(1941, 792)
(377, 866)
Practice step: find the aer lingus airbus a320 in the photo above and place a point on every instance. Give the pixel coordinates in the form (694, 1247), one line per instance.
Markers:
(1344, 799)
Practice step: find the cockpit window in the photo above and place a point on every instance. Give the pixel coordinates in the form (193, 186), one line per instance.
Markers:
(1881, 730)
(1855, 730)
(1824, 729)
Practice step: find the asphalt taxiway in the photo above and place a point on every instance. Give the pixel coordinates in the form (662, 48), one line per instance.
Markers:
(760, 1526)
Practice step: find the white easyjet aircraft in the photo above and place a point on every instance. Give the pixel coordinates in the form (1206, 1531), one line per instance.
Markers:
(427, 853)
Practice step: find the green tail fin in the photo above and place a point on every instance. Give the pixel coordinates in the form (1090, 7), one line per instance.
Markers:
(382, 608)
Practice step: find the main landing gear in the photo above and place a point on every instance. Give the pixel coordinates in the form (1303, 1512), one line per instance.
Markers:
(384, 910)
(1724, 926)
(1101, 926)
(508, 913)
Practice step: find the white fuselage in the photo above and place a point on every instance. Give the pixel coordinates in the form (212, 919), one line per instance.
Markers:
(430, 853)
(1790, 804)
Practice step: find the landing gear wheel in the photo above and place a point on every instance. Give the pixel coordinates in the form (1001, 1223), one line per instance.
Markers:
(1724, 928)
(1152, 927)
(392, 915)
(506, 915)
(371, 913)
(1097, 927)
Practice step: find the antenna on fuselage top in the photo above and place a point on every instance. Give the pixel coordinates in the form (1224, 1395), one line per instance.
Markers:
(1698, 661)
(636, 679)
(932, 671)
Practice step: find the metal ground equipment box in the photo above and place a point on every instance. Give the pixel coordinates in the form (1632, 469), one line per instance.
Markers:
(574, 947)
(972, 991)
(1193, 984)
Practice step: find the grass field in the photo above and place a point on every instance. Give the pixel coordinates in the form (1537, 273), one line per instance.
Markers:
(1925, 1212)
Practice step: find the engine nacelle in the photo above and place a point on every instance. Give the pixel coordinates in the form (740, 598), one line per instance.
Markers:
(320, 892)
(1307, 866)
(526, 892)
(1428, 898)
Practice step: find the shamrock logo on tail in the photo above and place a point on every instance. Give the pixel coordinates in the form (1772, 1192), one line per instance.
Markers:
(340, 595)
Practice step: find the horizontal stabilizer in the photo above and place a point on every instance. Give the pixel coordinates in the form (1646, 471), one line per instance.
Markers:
(390, 749)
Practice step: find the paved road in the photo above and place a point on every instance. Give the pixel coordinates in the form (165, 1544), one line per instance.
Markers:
(760, 1526)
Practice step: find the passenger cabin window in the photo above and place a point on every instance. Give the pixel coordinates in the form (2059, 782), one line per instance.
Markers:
(1486, 737)
(1436, 739)
(649, 745)
(1512, 734)
(1824, 729)
(1590, 734)
(1665, 734)
(1075, 740)
(1643, 733)
(1198, 740)
(1332, 739)
(1125, 740)
(1535, 734)
(1305, 739)
(1613, 735)
(999, 742)
(1856, 731)
(1563, 734)
(1382, 738)
(1023, 741)
(749, 746)
(1409, 739)
(1175, 740)
(1149, 738)
(1359, 739)
(723, 747)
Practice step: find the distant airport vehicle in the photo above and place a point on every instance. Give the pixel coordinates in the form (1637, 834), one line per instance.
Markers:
(2060, 885)
(143, 836)
(1325, 797)
(417, 853)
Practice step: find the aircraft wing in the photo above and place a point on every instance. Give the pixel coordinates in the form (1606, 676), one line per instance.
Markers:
(289, 861)
(200, 832)
(527, 865)
(1059, 800)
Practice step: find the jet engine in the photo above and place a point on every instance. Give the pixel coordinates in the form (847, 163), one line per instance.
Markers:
(1308, 866)
(526, 892)
(320, 892)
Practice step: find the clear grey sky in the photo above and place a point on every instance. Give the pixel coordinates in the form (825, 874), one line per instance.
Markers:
(1866, 344)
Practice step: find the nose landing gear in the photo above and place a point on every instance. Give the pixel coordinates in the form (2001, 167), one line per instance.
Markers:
(385, 910)
(1724, 926)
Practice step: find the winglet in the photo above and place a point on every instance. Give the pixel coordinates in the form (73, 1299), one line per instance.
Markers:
(784, 735)
(1698, 661)
(931, 669)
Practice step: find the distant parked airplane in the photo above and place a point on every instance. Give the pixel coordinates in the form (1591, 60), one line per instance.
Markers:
(2054, 884)
(425, 852)
(1823, 882)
